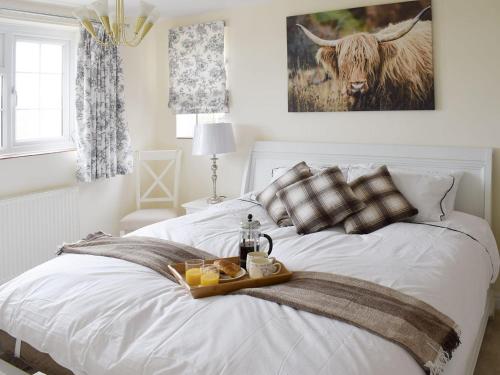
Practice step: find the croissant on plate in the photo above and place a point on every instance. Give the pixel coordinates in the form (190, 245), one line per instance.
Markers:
(227, 267)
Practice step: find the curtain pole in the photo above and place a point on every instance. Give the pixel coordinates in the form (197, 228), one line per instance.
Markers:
(4, 11)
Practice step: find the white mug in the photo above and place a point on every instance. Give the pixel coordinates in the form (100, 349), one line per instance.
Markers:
(259, 267)
(256, 254)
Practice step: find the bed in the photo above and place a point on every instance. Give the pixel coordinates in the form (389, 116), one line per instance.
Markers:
(96, 315)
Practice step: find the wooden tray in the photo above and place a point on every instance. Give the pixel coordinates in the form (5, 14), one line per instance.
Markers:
(178, 270)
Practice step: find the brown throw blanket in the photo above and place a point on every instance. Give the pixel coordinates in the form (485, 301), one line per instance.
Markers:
(429, 336)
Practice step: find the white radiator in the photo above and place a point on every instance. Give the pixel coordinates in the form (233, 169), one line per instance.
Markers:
(33, 226)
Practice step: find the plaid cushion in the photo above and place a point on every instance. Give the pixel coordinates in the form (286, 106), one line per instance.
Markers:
(271, 202)
(384, 203)
(320, 201)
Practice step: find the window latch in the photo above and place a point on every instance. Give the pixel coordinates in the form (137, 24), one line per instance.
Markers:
(14, 94)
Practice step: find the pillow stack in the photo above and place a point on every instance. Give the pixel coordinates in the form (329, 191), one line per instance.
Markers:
(271, 202)
(384, 203)
(320, 201)
(316, 201)
(432, 194)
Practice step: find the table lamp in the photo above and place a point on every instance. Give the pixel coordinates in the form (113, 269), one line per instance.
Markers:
(213, 139)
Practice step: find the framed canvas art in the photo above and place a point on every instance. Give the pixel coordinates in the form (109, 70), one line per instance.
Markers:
(374, 58)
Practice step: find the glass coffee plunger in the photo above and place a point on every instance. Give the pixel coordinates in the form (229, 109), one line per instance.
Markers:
(250, 236)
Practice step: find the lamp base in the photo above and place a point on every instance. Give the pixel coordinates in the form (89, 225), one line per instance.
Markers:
(215, 200)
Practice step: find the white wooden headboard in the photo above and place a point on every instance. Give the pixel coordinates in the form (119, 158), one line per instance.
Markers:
(474, 193)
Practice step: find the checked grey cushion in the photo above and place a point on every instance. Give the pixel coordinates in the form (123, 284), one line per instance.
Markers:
(384, 203)
(272, 203)
(320, 201)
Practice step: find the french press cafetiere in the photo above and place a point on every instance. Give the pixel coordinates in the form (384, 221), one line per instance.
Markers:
(250, 236)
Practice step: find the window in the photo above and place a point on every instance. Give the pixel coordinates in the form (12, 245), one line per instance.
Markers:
(37, 68)
(185, 124)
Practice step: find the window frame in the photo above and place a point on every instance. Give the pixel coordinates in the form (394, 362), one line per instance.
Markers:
(66, 36)
(216, 117)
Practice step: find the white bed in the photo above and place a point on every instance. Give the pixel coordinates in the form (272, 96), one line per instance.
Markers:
(98, 315)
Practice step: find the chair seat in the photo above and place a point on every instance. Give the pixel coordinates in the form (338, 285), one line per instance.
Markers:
(142, 218)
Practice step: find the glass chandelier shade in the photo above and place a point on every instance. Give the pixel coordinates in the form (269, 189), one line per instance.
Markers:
(114, 22)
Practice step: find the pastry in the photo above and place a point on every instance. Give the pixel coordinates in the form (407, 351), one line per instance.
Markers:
(227, 267)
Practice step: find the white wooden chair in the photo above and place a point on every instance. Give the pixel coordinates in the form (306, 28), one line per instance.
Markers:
(143, 217)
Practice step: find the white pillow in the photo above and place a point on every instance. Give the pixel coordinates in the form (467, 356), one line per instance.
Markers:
(431, 193)
(449, 200)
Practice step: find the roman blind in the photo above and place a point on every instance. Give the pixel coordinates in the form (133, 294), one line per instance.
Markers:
(197, 69)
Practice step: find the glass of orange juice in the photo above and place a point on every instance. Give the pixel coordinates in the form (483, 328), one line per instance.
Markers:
(209, 275)
(193, 271)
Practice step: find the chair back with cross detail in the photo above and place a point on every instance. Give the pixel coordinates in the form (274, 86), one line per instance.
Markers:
(147, 165)
(144, 161)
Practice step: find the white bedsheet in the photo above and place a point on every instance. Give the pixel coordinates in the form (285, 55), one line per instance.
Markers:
(98, 315)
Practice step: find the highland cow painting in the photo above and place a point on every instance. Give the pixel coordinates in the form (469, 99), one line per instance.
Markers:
(375, 58)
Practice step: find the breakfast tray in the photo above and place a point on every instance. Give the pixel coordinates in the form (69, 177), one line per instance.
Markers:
(178, 270)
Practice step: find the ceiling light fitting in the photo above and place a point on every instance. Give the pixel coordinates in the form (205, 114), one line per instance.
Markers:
(114, 23)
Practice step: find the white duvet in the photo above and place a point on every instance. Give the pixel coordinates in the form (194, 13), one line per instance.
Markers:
(98, 315)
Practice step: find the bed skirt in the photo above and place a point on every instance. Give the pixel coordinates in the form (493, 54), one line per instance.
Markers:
(32, 357)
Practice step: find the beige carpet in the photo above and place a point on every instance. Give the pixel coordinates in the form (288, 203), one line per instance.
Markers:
(489, 357)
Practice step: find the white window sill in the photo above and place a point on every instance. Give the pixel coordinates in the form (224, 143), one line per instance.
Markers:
(35, 153)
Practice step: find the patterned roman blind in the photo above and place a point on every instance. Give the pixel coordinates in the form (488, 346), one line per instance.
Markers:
(197, 69)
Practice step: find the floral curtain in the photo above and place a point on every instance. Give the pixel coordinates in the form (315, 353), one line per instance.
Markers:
(102, 137)
(197, 69)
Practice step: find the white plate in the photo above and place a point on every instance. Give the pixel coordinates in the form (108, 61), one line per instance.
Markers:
(225, 278)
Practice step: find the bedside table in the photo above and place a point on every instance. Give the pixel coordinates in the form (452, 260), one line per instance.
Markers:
(197, 206)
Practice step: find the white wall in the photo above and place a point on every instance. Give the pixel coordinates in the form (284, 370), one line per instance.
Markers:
(467, 54)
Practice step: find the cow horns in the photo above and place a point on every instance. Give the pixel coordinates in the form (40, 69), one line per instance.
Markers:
(381, 38)
(320, 42)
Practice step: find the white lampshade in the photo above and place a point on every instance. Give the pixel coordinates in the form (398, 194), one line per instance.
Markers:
(100, 7)
(82, 13)
(213, 139)
(146, 9)
(154, 16)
